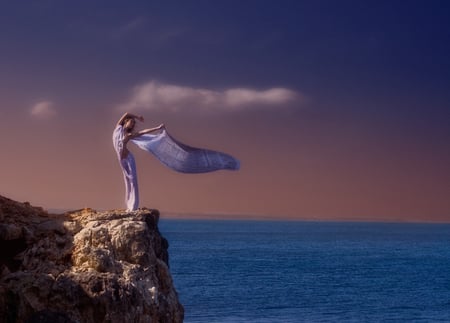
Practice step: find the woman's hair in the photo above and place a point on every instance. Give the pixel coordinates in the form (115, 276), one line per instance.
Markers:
(126, 120)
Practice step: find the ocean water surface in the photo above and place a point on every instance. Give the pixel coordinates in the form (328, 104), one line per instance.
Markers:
(268, 271)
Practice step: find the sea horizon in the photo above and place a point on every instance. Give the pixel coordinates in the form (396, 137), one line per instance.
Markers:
(267, 217)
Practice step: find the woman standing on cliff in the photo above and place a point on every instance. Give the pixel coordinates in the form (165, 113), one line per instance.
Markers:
(123, 133)
(175, 155)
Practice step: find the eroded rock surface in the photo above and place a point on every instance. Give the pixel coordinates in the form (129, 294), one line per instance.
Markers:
(84, 266)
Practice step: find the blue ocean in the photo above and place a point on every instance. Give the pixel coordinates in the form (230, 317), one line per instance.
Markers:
(268, 271)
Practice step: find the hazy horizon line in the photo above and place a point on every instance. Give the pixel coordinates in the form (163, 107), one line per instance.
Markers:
(231, 216)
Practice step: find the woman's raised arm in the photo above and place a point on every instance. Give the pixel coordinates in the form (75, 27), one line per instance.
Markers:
(128, 115)
(145, 131)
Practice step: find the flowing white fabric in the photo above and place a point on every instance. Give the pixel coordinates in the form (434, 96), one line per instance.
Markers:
(183, 158)
(170, 152)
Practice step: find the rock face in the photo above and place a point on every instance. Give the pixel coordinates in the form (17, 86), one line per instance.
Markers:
(84, 266)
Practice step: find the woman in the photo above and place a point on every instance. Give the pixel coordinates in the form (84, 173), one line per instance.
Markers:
(172, 153)
(123, 133)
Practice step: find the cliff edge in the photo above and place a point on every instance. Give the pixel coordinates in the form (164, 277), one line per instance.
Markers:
(84, 266)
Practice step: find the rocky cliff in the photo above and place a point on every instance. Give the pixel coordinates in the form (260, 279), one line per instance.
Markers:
(84, 266)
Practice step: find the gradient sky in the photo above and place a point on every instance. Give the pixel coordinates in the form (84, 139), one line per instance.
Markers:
(336, 109)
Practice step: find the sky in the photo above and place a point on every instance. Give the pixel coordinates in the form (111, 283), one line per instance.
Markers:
(337, 110)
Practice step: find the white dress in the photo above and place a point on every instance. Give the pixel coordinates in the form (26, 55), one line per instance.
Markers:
(128, 166)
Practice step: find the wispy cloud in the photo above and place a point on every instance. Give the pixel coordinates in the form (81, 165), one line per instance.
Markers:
(43, 110)
(129, 27)
(147, 31)
(154, 95)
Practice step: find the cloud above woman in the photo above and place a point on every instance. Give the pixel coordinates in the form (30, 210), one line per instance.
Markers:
(154, 95)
